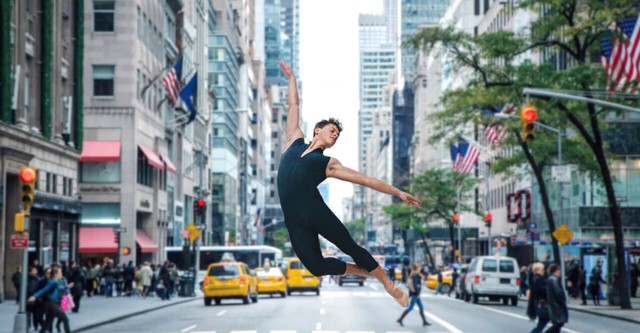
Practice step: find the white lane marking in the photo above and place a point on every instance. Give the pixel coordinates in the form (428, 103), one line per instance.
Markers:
(521, 317)
(243, 332)
(361, 332)
(446, 325)
(221, 313)
(203, 332)
(373, 286)
(282, 331)
(321, 311)
(318, 325)
(188, 328)
(325, 331)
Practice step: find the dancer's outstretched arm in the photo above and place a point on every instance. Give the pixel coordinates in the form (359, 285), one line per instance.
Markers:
(336, 170)
(292, 129)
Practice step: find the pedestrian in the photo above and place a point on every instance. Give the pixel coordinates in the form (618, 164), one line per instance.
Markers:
(414, 284)
(633, 277)
(406, 269)
(439, 287)
(16, 279)
(109, 277)
(51, 295)
(582, 284)
(146, 275)
(128, 275)
(594, 282)
(78, 279)
(33, 281)
(91, 282)
(164, 279)
(38, 308)
(454, 281)
(306, 216)
(523, 281)
(558, 312)
(538, 307)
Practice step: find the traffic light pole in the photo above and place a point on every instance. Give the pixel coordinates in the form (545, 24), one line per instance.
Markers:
(459, 224)
(20, 320)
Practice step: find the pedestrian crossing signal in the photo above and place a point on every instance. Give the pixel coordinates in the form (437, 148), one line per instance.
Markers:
(126, 250)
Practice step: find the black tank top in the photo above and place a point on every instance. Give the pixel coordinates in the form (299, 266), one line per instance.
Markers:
(298, 177)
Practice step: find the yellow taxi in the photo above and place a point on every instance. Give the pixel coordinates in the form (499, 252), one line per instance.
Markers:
(229, 280)
(432, 281)
(271, 281)
(300, 279)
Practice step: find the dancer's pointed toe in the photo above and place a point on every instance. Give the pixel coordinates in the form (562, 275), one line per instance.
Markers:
(400, 296)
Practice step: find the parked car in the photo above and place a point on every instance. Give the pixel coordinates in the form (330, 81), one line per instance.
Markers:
(271, 281)
(229, 280)
(460, 289)
(494, 277)
(350, 278)
(300, 279)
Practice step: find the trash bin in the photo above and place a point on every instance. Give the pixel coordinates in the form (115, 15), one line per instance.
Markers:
(186, 285)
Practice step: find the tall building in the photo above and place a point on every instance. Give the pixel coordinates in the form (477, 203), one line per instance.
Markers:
(377, 44)
(41, 117)
(225, 152)
(291, 29)
(273, 42)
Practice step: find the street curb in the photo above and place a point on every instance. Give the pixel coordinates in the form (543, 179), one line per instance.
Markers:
(118, 318)
(575, 308)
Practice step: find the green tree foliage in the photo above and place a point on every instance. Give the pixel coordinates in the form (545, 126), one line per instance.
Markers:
(356, 229)
(499, 65)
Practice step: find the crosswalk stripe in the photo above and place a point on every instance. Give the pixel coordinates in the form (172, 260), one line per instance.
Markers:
(361, 332)
(243, 332)
(283, 331)
(325, 331)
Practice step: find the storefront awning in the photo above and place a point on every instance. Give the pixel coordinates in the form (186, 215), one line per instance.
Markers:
(152, 157)
(97, 240)
(100, 151)
(169, 164)
(147, 245)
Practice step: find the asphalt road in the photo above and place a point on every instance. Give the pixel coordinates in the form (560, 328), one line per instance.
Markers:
(350, 309)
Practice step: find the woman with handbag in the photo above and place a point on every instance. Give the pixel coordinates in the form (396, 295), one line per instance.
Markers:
(414, 284)
(52, 295)
(538, 297)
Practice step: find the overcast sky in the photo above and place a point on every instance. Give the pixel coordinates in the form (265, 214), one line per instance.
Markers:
(329, 74)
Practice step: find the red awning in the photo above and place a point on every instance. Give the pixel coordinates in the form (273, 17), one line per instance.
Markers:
(97, 240)
(147, 245)
(152, 157)
(169, 164)
(100, 151)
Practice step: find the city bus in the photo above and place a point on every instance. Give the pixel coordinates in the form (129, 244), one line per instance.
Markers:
(252, 255)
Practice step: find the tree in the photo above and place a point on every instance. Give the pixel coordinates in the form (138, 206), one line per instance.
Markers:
(437, 191)
(356, 229)
(280, 238)
(570, 28)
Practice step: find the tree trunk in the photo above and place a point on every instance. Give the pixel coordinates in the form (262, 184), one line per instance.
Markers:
(426, 248)
(544, 196)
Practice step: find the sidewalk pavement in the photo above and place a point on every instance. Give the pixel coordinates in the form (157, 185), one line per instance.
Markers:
(604, 309)
(97, 310)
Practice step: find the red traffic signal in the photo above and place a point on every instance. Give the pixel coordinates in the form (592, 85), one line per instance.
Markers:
(487, 220)
(27, 175)
(456, 218)
(529, 114)
(201, 203)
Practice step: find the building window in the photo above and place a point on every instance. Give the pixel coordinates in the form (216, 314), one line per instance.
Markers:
(103, 80)
(145, 170)
(54, 184)
(273, 194)
(48, 182)
(103, 16)
(100, 172)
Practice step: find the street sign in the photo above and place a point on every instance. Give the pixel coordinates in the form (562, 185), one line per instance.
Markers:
(19, 241)
(561, 173)
(194, 233)
(563, 234)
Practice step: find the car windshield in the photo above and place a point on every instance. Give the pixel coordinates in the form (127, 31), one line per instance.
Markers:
(224, 270)
(489, 265)
(297, 265)
(506, 266)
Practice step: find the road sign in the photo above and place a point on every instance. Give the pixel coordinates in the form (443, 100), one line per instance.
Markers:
(194, 233)
(561, 173)
(563, 234)
(19, 241)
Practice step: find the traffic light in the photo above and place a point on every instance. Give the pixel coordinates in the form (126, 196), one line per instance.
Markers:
(199, 210)
(27, 178)
(528, 115)
(126, 251)
(487, 220)
(456, 218)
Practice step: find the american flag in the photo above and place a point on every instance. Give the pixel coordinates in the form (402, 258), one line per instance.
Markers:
(621, 55)
(172, 81)
(495, 133)
(467, 157)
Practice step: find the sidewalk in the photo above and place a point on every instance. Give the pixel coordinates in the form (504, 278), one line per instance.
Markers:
(604, 309)
(97, 310)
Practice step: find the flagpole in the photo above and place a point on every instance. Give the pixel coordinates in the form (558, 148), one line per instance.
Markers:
(459, 224)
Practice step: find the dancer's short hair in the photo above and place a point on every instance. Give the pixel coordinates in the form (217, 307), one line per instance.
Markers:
(324, 122)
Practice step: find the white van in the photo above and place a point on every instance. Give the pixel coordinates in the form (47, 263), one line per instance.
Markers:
(494, 277)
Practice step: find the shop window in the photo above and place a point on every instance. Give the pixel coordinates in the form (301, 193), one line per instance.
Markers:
(99, 172)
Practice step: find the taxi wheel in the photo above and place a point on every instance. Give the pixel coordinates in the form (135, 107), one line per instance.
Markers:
(283, 294)
(207, 301)
(288, 292)
(245, 299)
(217, 301)
(514, 300)
(317, 291)
(254, 298)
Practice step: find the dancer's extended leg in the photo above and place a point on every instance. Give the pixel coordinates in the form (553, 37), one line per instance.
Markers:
(390, 287)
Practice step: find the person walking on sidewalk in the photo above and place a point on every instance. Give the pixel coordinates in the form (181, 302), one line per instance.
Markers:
(558, 312)
(78, 279)
(51, 295)
(582, 284)
(92, 274)
(414, 284)
(33, 281)
(538, 298)
(594, 282)
(146, 275)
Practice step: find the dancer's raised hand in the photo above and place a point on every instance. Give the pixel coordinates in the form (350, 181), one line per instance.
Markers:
(409, 199)
(286, 69)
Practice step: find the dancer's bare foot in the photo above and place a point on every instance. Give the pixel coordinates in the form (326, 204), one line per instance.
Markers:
(398, 295)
